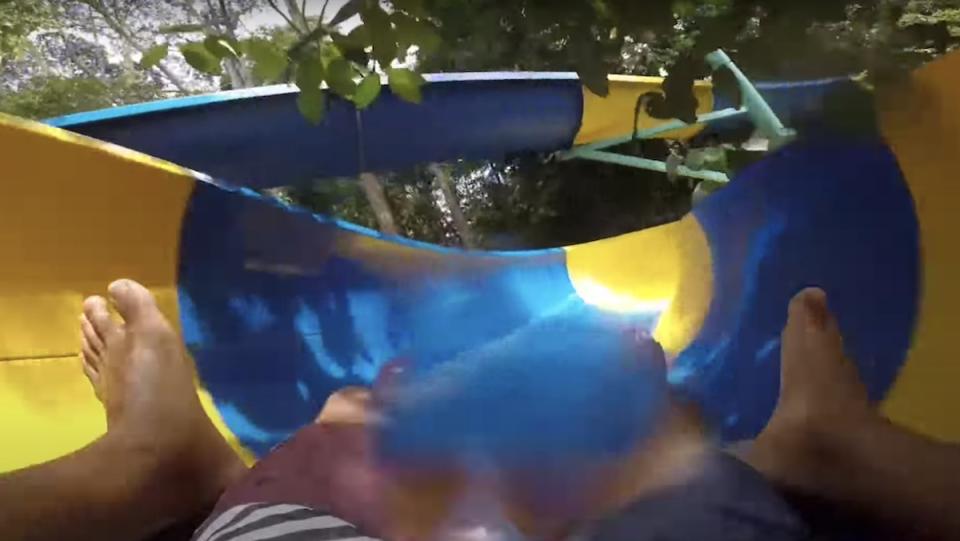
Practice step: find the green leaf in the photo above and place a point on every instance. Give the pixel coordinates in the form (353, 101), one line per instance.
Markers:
(368, 91)
(152, 56)
(200, 59)
(679, 98)
(222, 47)
(594, 77)
(357, 39)
(340, 78)
(382, 36)
(312, 103)
(328, 53)
(310, 73)
(351, 8)
(406, 84)
(181, 28)
(360, 58)
(413, 32)
(354, 45)
(269, 62)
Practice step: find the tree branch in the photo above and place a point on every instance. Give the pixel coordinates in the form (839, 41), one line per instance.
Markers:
(98, 8)
(323, 13)
(283, 14)
(373, 189)
(192, 10)
(297, 15)
(229, 23)
(294, 51)
(441, 178)
(213, 12)
(239, 71)
(305, 40)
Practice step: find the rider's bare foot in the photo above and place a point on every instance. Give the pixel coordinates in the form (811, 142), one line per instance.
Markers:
(822, 399)
(139, 371)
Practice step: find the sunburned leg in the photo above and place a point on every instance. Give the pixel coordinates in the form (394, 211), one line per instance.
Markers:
(825, 439)
(161, 459)
(332, 466)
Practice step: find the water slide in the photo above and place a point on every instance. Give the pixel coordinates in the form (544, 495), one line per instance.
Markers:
(280, 307)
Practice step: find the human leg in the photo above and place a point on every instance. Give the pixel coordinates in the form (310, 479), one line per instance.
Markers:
(826, 440)
(161, 459)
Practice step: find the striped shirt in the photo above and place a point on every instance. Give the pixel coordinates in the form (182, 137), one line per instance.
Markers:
(276, 522)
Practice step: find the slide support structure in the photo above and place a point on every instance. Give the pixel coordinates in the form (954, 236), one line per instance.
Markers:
(754, 106)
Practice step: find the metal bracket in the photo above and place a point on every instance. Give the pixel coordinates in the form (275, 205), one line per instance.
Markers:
(754, 106)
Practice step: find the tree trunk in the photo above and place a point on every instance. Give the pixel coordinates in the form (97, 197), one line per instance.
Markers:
(441, 178)
(239, 73)
(237, 69)
(373, 189)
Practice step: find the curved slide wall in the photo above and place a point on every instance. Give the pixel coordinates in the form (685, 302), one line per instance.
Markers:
(279, 307)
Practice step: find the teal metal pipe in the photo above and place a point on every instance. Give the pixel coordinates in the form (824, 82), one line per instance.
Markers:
(650, 165)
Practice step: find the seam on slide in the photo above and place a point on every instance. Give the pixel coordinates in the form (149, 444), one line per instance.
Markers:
(39, 357)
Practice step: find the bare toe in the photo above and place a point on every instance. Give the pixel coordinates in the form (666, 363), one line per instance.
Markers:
(95, 325)
(815, 372)
(135, 303)
(90, 336)
(822, 398)
(91, 369)
(91, 358)
(140, 373)
(98, 315)
(811, 329)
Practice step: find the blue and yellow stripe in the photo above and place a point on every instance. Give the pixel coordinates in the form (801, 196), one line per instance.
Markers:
(75, 211)
(257, 137)
(279, 307)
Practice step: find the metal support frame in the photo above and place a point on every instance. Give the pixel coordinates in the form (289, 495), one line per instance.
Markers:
(763, 117)
(651, 165)
(754, 106)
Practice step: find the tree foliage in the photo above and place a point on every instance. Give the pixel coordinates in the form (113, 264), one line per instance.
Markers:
(50, 96)
(528, 202)
(62, 66)
(412, 196)
(18, 19)
(313, 52)
(531, 203)
(60, 56)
